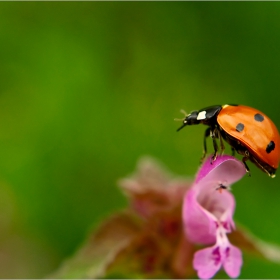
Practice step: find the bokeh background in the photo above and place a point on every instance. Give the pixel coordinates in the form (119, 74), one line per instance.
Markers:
(88, 88)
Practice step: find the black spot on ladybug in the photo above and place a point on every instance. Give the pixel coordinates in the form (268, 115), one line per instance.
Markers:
(270, 147)
(258, 117)
(240, 127)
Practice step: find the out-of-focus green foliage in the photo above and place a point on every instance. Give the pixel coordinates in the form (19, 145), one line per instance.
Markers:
(87, 88)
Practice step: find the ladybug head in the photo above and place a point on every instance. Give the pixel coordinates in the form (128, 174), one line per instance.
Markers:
(189, 119)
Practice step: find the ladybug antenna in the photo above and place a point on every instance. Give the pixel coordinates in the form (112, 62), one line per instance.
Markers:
(184, 124)
(183, 112)
(183, 119)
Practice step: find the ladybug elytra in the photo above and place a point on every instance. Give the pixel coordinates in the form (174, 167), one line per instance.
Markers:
(248, 131)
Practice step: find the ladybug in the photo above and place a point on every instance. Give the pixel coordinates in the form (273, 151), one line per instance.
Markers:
(248, 131)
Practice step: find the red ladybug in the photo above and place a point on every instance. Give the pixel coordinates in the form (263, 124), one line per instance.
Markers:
(249, 132)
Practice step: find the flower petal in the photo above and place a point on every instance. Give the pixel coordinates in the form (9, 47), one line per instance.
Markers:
(220, 204)
(207, 262)
(199, 226)
(223, 168)
(233, 261)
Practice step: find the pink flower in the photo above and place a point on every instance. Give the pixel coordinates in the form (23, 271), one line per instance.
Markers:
(208, 210)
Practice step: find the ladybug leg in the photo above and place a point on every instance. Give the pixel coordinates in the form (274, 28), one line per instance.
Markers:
(213, 135)
(222, 146)
(206, 134)
(232, 151)
(244, 159)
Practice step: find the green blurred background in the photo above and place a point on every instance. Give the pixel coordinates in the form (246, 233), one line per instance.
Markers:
(87, 88)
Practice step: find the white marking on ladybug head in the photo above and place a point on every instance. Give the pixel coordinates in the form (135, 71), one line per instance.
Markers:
(201, 115)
